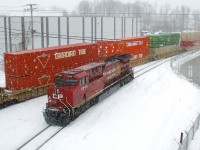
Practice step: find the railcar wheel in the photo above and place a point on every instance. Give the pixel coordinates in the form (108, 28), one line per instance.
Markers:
(15, 101)
(122, 83)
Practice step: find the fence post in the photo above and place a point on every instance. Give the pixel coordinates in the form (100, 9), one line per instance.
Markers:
(47, 31)
(124, 27)
(42, 32)
(187, 144)
(132, 25)
(101, 28)
(5, 33)
(95, 29)
(83, 28)
(67, 30)
(198, 120)
(10, 34)
(59, 41)
(181, 138)
(114, 28)
(92, 29)
(23, 34)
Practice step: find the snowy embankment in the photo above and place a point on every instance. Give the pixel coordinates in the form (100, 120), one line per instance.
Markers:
(147, 114)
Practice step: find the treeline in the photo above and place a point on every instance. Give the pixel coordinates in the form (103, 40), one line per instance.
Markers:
(152, 17)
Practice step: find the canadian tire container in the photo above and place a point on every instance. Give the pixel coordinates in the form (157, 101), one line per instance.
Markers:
(35, 61)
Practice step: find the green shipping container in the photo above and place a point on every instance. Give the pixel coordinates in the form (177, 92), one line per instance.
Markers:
(163, 39)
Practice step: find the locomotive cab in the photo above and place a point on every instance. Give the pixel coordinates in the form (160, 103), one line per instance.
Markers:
(61, 93)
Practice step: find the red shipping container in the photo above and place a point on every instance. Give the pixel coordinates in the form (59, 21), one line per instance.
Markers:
(110, 48)
(136, 46)
(18, 83)
(187, 43)
(34, 61)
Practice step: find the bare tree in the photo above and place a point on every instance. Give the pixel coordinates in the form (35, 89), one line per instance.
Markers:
(165, 10)
(184, 17)
(84, 7)
(196, 18)
(152, 18)
(60, 9)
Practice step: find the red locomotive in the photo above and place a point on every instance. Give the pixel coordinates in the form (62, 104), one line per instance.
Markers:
(75, 90)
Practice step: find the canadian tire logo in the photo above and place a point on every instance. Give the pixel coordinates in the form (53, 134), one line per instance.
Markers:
(44, 80)
(43, 59)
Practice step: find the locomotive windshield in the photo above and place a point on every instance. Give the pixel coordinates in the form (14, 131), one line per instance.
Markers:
(59, 81)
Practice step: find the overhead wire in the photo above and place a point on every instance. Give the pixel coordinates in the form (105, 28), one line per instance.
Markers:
(100, 13)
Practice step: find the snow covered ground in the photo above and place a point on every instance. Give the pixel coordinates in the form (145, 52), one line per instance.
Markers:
(147, 114)
(195, 144)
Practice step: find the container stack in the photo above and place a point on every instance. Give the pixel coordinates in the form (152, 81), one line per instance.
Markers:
(164, 39)
(32, 68)
(189, 39)
(138, 47)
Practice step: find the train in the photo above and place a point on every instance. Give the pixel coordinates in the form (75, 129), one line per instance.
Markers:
(29, 73)
(76, 90)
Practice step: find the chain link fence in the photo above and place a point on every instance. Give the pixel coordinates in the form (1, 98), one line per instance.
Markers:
(189, 135)
(186, 137)
(177, 61)
(16, 32)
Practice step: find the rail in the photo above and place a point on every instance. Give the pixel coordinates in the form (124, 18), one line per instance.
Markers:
(41, 138)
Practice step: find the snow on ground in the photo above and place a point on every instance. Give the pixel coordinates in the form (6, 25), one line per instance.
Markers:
(147, 114)
(2, 79)
(195, 144)
(21, 122)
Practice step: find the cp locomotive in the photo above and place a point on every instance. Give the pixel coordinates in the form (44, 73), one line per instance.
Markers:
(76, 90)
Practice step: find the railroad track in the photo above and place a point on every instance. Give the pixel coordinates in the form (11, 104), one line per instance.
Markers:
(41, 138)
(151, 63)
(150, 67)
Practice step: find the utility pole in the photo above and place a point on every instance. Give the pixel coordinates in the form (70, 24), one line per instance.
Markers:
(32, 31)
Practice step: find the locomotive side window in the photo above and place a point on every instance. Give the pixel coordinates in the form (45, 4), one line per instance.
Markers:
(71, 82)
(59, 81)
(84, 80)
(95, 70)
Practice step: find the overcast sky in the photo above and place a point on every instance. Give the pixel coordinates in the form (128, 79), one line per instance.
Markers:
(69, 5)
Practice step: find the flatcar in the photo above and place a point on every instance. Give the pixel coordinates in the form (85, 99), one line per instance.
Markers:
(76, 90)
